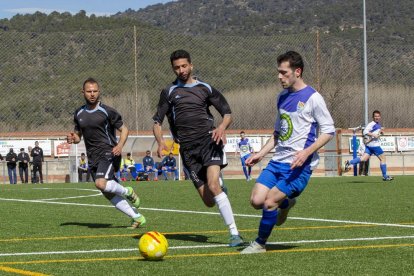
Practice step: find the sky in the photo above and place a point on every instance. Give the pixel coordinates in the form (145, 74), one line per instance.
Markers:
(9, 8)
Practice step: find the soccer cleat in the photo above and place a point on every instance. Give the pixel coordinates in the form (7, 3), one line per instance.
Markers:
(132, 197)
(254, 248)
(283, 213)
(138, 222)
(235, 240)
(347, 166)
(388, 178)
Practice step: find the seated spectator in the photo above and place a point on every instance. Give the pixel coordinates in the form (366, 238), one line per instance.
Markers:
(83, 168)
(129, 167)
(149, 165)
(169, 165)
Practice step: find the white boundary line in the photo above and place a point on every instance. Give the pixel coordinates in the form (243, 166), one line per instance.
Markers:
(49, 201)
(200, 246)
(208, 213)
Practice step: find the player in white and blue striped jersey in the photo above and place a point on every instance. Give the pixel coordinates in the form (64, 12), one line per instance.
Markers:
(371, 133)
(245, 149)
(302, 113)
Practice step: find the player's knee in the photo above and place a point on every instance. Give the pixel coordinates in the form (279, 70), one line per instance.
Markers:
(270, 204)
(256, 202)
(100, 184)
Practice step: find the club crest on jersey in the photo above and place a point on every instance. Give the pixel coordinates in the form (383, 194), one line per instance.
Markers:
(300, 106)
(286, 127)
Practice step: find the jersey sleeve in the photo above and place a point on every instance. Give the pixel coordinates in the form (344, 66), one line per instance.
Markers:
(321, 115)
(76, 122)
(115, 118)
(162, 108)
(219, 102)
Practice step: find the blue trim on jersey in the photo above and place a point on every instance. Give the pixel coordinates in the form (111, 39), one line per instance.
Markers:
(312, 135)
(172, 89)
(373, 150)
(289, 100)
(279, 175)
(375, 127)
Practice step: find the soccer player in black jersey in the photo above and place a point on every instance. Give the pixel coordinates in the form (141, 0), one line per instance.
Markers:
(97, 123)
(186, 104)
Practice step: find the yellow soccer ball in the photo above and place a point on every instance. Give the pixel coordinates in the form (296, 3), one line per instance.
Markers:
(153, 246)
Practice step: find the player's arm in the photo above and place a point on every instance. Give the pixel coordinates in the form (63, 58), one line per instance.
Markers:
(162, 109)
(302, 156)
(257, 157)
(123, 136)
(222, 106)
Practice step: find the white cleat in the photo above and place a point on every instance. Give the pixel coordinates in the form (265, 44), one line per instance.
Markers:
(254, 248)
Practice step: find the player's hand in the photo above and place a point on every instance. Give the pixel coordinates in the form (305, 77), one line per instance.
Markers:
(300, 159)
(117, 150)
(218, 135)
(162, 147)
(253, 159)
(70, 138)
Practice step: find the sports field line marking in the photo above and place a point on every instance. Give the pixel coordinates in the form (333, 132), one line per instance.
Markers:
(176, 233)
(300, 250)
(20, 271)
(200, 246)
(211, 213)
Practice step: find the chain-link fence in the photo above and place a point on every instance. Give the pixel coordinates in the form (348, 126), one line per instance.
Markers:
(41, 75)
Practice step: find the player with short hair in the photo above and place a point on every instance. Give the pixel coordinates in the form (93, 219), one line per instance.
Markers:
(371, 133)
(97, 123)
(245, 149)
(301, 112)
(186, 104)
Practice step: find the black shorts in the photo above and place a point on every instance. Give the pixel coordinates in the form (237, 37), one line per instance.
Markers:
(104, 166)
(200, 155)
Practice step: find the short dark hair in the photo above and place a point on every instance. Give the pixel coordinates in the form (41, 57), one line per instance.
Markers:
(128, 154)
(89, 80)
(148, 151)
(180, 54)
(242, 132)
(294, 58)
(82, 154)
(376, 112)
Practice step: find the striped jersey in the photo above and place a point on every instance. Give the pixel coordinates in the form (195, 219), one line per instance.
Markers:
(300, 115)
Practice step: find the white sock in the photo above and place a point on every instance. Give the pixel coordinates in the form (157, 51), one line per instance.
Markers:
(114, 187)
(226, 212)
(122, 205)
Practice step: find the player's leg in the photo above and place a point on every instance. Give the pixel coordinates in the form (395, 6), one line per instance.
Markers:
(246, 174)
(223, 203)
(383, 165)
(164, 173)
(357, 160)
(115, 193)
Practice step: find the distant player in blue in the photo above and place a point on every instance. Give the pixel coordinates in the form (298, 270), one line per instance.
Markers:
(169, 164)
(245, 149)
(371, 133)
(302, 115)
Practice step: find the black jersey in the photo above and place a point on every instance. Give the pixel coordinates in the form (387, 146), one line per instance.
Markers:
(187, 109)
(98, 128)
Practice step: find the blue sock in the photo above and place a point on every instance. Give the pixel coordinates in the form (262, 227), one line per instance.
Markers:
(164, 173)
(383, 169)
(267, 223)
(355, 161)
(245, 172)
(250, 171)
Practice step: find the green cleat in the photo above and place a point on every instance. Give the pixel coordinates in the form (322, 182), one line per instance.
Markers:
(138, 222)
(235, 240)
(132, 197)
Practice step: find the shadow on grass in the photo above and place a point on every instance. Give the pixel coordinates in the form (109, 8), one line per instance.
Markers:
(184, 237)
(91, 225)
(272, 247)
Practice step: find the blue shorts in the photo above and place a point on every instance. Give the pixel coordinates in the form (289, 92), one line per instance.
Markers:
(243, 159)
(290, 182)
(374, 150)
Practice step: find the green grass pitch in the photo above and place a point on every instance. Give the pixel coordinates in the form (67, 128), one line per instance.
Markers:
(340, 226)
